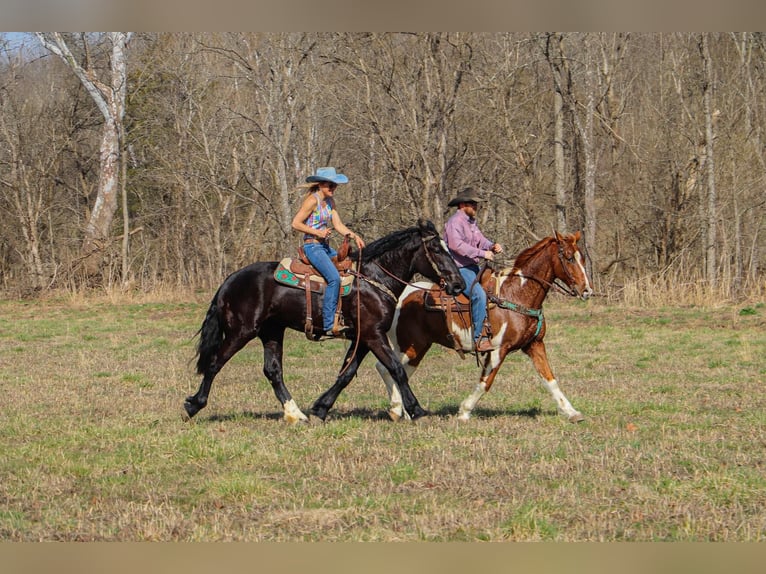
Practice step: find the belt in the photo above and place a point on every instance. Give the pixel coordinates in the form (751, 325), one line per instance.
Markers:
(314, 241)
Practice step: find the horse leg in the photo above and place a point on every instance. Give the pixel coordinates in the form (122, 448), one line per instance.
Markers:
(489, 371)
(273, 345)
(397, 381)
(228, 349)
(351, 364)
(396, 409)
(536, 352)
(410, 361)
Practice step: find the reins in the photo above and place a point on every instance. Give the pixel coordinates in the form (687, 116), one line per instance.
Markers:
(565, 289)
(358, 318)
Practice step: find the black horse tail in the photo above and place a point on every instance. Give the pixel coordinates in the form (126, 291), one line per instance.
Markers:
(211, 336)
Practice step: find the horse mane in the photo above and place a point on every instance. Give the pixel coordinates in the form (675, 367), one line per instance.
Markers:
(527, 254)
(389, 242)
(383, 245)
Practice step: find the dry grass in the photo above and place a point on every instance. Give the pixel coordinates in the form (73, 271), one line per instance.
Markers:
(94, 447)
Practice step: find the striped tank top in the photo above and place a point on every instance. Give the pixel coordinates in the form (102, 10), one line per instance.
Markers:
(320, 218)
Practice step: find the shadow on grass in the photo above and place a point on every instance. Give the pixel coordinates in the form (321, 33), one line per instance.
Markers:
(381, 415)
(485, 413)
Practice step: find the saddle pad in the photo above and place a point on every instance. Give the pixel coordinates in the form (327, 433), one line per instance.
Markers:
(285, 276)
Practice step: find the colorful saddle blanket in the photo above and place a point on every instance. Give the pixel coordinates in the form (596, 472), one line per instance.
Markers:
(293, 273)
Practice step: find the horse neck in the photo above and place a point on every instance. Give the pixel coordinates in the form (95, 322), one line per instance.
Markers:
(530, 283)
(394, 270)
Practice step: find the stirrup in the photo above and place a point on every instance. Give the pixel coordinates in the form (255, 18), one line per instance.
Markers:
(338, 332)
(483, 345)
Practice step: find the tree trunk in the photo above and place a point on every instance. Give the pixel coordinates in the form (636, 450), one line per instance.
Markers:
(558, 155)
(110, 100)
(711, 267)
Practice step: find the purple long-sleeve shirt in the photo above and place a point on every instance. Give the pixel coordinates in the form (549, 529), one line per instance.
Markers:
(466, 242)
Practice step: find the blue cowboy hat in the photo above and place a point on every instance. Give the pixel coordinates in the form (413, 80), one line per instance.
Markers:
(327, 174)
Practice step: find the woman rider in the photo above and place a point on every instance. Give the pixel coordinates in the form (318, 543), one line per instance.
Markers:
(316, 219)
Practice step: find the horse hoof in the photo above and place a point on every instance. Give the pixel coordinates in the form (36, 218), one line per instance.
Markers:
(576, 418)
(394, 416)
(464, 417)
(292, 421)
(191, 410)
(418, 413)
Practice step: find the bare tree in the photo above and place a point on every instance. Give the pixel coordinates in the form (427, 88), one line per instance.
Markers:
(109, 97)
(410, 84)
(711, 264)
(581, 100)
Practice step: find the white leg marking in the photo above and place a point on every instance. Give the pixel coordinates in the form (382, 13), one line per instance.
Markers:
(292, 414)
(470, 401)
(562, 403)
(588, 289)
(396, 408)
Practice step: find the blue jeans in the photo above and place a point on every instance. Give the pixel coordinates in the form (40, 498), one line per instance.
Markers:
(478, 298)
(319, 255)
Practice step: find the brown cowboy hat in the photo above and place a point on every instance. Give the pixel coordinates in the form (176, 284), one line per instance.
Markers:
(468, 195)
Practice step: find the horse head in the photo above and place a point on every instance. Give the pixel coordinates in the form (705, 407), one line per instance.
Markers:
(439, 266)
(570, 267)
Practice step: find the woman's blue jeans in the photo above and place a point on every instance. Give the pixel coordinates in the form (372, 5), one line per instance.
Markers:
(478, 297)
(319, 255)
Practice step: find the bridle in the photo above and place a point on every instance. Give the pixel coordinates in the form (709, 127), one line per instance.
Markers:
(538, 313)
(386, 290)
(565, 289)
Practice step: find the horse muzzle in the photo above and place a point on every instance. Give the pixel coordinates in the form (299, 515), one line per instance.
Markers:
(454, 287)
(584, 294)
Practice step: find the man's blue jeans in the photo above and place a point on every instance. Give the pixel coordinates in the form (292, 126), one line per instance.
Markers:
(478, 298)
(319, 255)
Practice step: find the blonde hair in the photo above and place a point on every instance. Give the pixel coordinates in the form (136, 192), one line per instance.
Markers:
(307, 189)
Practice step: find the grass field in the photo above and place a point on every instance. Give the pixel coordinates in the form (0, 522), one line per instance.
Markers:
(94, 446)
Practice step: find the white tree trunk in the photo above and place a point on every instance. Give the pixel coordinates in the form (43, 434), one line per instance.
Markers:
(110, 100)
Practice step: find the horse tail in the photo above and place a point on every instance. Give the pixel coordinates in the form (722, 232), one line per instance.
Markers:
(211, 336)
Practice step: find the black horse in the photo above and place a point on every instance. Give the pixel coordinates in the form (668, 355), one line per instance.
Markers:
(251, 303)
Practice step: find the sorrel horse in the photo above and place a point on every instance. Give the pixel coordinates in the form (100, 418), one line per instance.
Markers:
(251, 303)
(516, 297)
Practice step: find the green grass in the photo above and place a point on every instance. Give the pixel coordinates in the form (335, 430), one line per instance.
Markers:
(95, 448)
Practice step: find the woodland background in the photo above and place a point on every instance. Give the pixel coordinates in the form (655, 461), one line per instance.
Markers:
(150, 161)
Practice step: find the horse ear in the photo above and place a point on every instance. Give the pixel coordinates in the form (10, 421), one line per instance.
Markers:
(577, 236)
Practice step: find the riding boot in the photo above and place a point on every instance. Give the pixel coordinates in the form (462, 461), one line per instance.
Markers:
(484, 343)
(339, 329)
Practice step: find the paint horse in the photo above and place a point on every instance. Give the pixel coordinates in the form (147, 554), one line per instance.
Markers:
(424, 316)
(250, 303)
